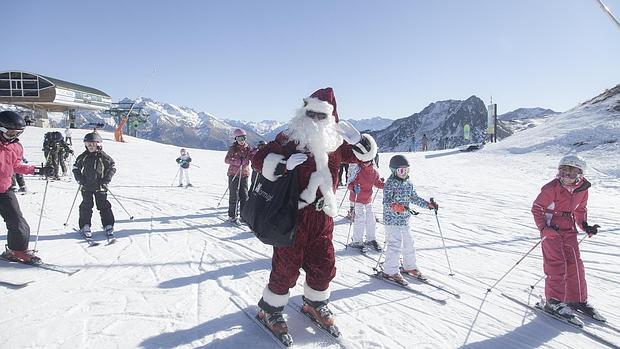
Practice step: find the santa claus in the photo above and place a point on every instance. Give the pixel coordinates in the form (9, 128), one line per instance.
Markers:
(315, 144)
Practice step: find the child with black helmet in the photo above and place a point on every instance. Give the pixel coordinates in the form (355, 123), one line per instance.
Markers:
(398, 193)
(11, 152)
(184, 161)
(93, 170)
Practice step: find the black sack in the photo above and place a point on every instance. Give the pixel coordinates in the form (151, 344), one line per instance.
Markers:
(271, 209)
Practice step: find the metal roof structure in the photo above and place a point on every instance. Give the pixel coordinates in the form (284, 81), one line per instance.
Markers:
(36, 91)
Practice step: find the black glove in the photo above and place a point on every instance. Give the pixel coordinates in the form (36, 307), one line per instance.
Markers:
(46, 171)
(432, 205)
(591, 230)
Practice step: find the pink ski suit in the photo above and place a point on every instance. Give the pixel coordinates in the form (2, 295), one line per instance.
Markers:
(557, 211)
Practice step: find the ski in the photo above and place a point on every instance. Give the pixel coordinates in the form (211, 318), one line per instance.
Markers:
(285, 341)
(426, 281)
(89, 240)
(332, 333)
(13, 285)
(538, 309)
(596, 322)
(379, 275)
(46, 266)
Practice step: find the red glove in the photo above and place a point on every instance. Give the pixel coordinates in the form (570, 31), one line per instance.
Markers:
(549, 232)
(433, 205)
(396, 207)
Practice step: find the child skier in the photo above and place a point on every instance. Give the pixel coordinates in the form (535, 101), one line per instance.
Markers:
(558, 210)
(238, 158)
(18, 231)
(361, 189)
(397, 194)
(93, 170)
(184, 161)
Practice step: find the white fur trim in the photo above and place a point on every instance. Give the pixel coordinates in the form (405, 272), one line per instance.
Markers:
(321, 180)
(366, 156)
(272, 160)
(275, 300)
(316, 296)
(318, 105)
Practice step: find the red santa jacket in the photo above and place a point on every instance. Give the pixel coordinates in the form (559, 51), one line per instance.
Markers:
(270, 160)
(561, 207)
(11, 162)
(367, 178)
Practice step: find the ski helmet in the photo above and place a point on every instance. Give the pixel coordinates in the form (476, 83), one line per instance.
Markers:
(366, 148)
(11, 126)
(93, 137)
(573, 161)
(398, 161)
(239, 133)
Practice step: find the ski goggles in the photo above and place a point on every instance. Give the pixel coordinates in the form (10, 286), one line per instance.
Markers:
(568, 172)
(401, 171)
(240, 138)
(315, 115)
(10, 134)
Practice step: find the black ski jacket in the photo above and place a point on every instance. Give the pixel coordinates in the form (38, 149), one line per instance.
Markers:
(94, 170)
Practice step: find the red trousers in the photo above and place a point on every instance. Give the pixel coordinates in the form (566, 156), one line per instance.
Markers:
(313, 251)
(566, 279)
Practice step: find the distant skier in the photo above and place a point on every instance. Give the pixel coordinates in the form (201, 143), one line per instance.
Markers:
(424, 143)
(56, 151)
(93, 170)
(360, 193)
(558, 210)
(18, 231)
(238, 158)
(184, 161)
(398, 193)
(68, 136)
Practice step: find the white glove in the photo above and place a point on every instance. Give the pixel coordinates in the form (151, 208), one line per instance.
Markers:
(295, 160)
(350, 134)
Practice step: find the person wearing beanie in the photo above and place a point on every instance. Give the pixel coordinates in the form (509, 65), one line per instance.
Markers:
(315, 143)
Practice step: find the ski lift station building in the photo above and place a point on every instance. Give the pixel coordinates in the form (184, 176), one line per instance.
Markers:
(45, 94)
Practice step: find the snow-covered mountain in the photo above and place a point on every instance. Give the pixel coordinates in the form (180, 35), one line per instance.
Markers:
(372, 124)
(522, 118)
(442, 122)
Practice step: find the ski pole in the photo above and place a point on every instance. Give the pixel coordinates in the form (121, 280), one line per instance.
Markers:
(71, 209)
(442, 240)
(542, 277)
(351, 222)
(238, 201)
(519, 261)
(123, 207)
(343, 197)
(175, 176)
(375, 196)
(194, 165)
(381, 254)
(228, 187)
(47, 181)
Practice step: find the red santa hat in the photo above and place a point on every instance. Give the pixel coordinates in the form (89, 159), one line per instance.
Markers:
(322, 101)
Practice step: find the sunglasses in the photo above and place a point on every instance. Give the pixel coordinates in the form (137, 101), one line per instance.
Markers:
(315, 115)
(10, 134)
(240, 138)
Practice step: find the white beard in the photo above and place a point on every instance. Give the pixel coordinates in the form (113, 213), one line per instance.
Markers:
(319, 137)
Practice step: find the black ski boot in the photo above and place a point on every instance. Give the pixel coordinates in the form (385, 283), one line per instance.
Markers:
(587, 309)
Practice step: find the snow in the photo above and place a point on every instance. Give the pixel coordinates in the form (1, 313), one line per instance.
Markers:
(167, 281)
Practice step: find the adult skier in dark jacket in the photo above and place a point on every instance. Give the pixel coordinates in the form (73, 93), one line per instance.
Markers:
(93, 170)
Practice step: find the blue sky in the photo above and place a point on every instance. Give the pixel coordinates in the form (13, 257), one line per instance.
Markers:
(255, 60)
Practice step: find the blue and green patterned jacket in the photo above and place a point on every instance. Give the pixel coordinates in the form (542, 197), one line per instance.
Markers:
(403, 192)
